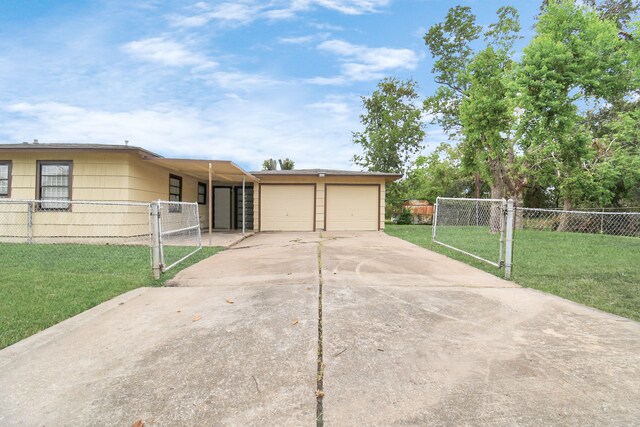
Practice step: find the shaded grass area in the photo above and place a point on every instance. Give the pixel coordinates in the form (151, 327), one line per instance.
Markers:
(41, 285)
(596, 270)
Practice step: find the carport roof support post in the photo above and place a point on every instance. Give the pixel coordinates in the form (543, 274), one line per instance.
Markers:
(210, 207)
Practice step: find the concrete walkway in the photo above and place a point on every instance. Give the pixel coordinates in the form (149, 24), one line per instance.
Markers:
(409, 337)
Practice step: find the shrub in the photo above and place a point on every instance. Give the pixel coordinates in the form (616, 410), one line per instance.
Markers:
(405, 217)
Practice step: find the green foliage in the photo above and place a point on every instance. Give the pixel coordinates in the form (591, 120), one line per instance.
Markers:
(268, 165)
(574, 57)
(287, 164)
(558, 126)
(405, 217)
(450, 44)
(475, 102)
(439, 174)
(393, 131)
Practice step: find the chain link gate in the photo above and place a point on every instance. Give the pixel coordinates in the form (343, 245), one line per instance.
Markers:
(474, 227)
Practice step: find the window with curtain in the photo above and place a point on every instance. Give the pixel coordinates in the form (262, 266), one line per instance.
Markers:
(54, 185)
(5, 178)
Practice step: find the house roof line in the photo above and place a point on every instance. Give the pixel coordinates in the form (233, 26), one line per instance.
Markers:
(193, 167)
(55, 146)
(326, 172)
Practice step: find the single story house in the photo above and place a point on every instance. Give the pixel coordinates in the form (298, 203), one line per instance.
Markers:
(296, 200)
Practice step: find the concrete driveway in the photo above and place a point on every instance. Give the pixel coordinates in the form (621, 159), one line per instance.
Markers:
(408, 337)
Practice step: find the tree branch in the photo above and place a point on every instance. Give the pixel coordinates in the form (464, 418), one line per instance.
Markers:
(450, 86)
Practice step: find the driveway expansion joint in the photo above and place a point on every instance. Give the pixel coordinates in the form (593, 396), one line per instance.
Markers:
(320, 363)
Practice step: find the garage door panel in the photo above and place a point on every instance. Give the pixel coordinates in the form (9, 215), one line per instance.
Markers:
(287, 207)
(352, 207)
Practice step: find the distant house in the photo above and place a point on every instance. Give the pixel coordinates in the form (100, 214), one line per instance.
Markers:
(296, 200)
(421, 210)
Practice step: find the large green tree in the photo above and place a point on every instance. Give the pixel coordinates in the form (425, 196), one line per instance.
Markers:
(393, 130)
(487, 112)
(474, 103)
(575, 58)
(393, 134)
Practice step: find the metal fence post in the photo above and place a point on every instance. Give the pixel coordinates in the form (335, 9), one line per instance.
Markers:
(30, 222)
(435, 220)
(509, 244)
(503, 220)
(155, 239)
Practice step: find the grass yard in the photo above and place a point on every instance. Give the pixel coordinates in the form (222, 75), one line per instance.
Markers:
(596, 270)
(41, 285)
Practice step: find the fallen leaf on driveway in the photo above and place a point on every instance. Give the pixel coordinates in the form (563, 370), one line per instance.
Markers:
(229, 301)
(138, 423)
(196, 318)
(295, 322)
(319, 393)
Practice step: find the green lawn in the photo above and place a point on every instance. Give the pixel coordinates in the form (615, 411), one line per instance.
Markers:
(596, 270)
(41, 285)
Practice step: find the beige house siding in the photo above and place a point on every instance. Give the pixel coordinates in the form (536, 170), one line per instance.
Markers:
(96, 176)
(99, 176)
(320, 192)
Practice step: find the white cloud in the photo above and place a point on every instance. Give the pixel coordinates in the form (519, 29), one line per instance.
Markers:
(246, 11)
(327, 81)
(361, 63)
(234, 80)
(352, 7)
(245, 131)
(166, 52)
(340, 109)
(297, 40)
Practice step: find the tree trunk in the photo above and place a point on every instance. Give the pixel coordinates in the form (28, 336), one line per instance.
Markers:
(563, 225)
(518, 214)
(496, 213)
(477, 185)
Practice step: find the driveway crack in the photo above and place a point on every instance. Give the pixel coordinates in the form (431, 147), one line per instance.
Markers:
(320, 362)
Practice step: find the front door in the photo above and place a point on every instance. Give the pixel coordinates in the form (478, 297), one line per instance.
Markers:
(222, 208)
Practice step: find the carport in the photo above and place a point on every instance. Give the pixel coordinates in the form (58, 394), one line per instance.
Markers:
(228, 176)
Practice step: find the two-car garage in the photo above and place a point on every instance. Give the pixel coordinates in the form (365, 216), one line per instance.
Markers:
(329, 200)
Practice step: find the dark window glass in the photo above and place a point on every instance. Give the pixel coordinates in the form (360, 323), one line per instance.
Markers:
(175, 192)
(202, 194)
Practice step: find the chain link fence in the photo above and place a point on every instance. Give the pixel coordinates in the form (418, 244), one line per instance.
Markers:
(179, 232)
(492, 230)
(475, 227)
(97, 236)
(595, 222)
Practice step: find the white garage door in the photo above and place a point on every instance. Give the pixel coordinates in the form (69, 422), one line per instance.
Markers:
(352, 207)
(287, 207)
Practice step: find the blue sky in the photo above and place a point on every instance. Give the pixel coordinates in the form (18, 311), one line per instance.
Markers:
(243, 80)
